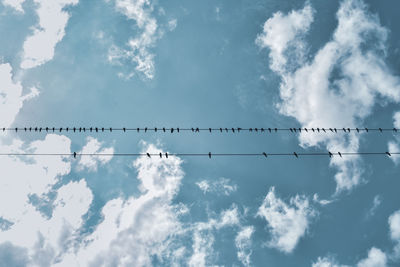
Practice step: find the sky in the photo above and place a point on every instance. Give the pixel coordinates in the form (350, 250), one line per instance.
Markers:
(211, 63)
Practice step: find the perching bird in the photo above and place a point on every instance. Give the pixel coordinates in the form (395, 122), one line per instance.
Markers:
(265, 154)
(124, 129)
(102, 129)
(366, 129)
(331, 130)
(16, 129)
(177, 129)
(74, 129)
(256, 129)
(262, 130)
(250, 129)
(330, 154)
(192, 130)
(395, 130)
(166, 154)
(60, 130)
(233, 130)
(137, 129)
(47, 129)
(110, 129)
(348, 129)
(295, 154)
(313, 130)
(294, 129)
(335, 130)
(344, 130)
(160, 155)
(74, 155)
(25, 129)
(269, 129)
(40, 129)
(163, 129)
(276, 129)
(197, 130)
(317, 129)
(96, 129)
(172, 130)
(291, 130)
(340, 154)
(91, 129)
(145, 129)
(148, 155)
(209, 155)
(380, 129)
(387, 153)
(305, 129)
(323, 129)
(226, 129)
(209, 129)
(358, 130)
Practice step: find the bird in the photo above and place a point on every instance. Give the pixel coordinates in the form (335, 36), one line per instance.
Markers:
(102, 129)
(47, 129)
(299, 130)
(348, 129)
(250, 129)
(344, 130)
(166, 154)
(16, 129)
(30, 129)
(291, 130)
(395, 130)
(313, 130)
(331, 130)
(148, 155)
(340, 154)
(209, 129)
(358, 130)
(256, 129)
(197, 130)
(172, 130)
(330, 154)
(74, 155)
(80, 129)
(155, 129)
(96, 129)
(387, 153)
(110, 129)
(84, 129)
(124, 129)
(380, 129)
(209, 155)
(269, 129)
(192, 130)
(160, 155)
(65, 129)
(276, 129)
(177, 129)
(335, 130)
(59, 130)
(137, 129)
(226, 129)
(40, 129)
(323, 129)
(317, 129)
(294, 129)
(91, 129)
(145, 129)
(220, 129)
(295, 154)
(262, 130)
(163, 129)
(25, 129)
(366, 129)
(233, 130)
(305, 129)
(265, 154)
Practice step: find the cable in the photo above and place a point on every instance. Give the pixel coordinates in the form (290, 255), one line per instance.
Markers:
(197, 130)
(209, 154)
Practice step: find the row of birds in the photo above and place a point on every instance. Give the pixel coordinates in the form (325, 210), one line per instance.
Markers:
(330, 154)
(196, 130)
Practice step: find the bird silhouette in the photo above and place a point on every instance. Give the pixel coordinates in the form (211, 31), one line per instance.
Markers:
(330, 154)
(294, 129)
(250, 129)
(340, 154)
(348, 129)
(197, 130)
(192, 130)
(209, 129)
(335, 130)
(163, 129)
(387, 153)
(265, 154)
(155, 129)
(323, 129)
(172, 130)
(47, 129)
(291, 130)
(59, 130)
(160, 155)
(124, 129)
(30, 129)
(80, 129)
(74, 155)
(305, 129)
(256, 129)
(380, 129)
(137, 129)
(269, 129)
(344, 130)
(295, 154)
(40, 129)
(262, 130)
(102, 129)
(166, 154)
(110, 129)
(96, 129)
(358, 130)
(395, 130)
(233, 130)
(145, 129)
(366, 129)
(177, 129)
(220, 129)
(276, 129)
(148, 155)
(209, 155)
(331, 130)
(317, 129)
(25, 129)
(16, 129)
(312, 129)
(91, 129)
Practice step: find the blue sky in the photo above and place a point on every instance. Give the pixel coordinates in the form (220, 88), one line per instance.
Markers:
(145, 63)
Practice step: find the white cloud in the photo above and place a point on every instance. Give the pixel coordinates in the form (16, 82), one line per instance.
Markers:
(39, 47)
(339, 86)
(219, 186)
(376, 203)
(394, 225)
(172, 24)
(139, 47)
(376, 258)
(16, 4)
(393, 146)
(93, 146)
(203, 237)
(287, 223)
(136, 229)
(11, 98)
(243, 245)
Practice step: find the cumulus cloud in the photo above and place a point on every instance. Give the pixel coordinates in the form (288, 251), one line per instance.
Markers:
(243, 245)
(16, 4)
(375, 258)
(219, 186)
(93, 146)
(394, 145)
(287, 223)
(337, 87)
(139, 47)
(39, 47)
(394, 225)
(11, 98)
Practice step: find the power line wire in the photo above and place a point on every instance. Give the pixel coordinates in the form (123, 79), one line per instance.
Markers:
(197, 130)
(210, 155)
